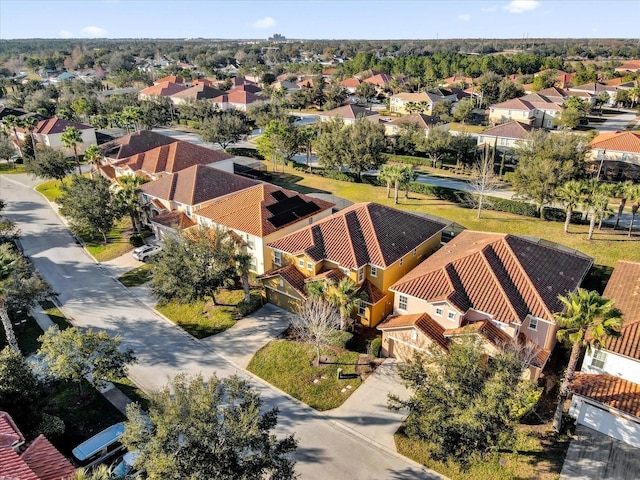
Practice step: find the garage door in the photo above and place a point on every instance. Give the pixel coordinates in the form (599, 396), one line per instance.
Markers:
(400, 350)
(281, 300)
(613, 425)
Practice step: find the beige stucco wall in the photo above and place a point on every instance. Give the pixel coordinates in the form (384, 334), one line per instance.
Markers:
(402, 343)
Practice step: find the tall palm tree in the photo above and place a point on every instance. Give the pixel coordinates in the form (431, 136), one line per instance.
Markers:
(129, 198)
(317, 289)
(588, 320)
(345, 297)
(386, 175)
(93, 156)
(30, 122)
(597, 201)
(571, 195)
(621, 191)
(71, 138)
(11, 122)
(408, 176)
(634, 198)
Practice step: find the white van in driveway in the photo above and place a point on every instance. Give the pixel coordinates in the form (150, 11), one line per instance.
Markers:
(99, 448)
(144, 252)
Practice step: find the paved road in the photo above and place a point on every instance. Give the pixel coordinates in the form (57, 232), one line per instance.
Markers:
(616, 123)
(93, 298)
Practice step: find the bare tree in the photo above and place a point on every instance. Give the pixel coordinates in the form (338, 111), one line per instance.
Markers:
(317, 323)
(483, 179)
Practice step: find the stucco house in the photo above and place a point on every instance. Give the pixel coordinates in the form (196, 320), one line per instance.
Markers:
(197, 92)
(616, 155)
(537, 113)
(424, 101)
(164, 89)
(422, 121)
(349, 114)
(606, 392)
(505, 135)
(261, 215)
(173, 200)
(372, 244)
(49, 133)
(133, 144)
(237, 99)
(511, 281)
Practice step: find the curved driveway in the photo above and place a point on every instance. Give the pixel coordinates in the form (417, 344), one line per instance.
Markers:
(92, 298)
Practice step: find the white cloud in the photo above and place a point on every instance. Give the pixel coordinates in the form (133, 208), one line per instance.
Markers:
(489, 9)
(65, 34)
(94, 32)
(464, 18)
(266, 22)
(521, 6)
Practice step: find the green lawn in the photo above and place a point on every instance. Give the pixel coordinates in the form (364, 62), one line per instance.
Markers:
(117, 242)
(28, 331)
(203, 319)
(459, 127)
(607, 246)
(137, 276)
(50, 189)
(288, 365)
(10, 168)
(132, 391)
(536, 455)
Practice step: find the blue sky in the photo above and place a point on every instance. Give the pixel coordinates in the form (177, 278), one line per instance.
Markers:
(329, 19)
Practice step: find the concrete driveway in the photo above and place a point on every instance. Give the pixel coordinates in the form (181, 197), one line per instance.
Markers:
(91, 297)
(617, 122)
(366, 412)
(593, 455)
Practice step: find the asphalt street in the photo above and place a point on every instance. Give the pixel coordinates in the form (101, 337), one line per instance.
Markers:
(91, 297)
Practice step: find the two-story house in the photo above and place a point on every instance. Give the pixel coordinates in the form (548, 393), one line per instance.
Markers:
(422, 101)
(372, 244)
(537, 113)
(511, 281)
(348, 114)
(49, 133)
(606, 393)
(164, 89)
(173, 199)
(420, 120)
(504, 137)
(261, 215)
(133, 144)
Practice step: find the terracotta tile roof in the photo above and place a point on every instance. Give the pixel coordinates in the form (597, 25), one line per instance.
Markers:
(47, 462)
(197, 184)
(333, 275)
(171, 79)
(514, 104)
(458, 79)
(364, 233)
(204, 81)
(624, 289)
(239, 96)
(349, 111)
(431, 96)
(379, 80)
(164, 89)
(329, 71)
(171, 158)
(263, 209)
(506, 276)
(107, 171)
(9, 432)
(237, 81)
(421, 321)
(246, 88)
(485, 328)
(175, 219)
(512, 129)
(419, 119)
(614, 392)
(593, 87)
(14, 467)
(631, 65)
(57, 125)
(350, 82)
(135, 143)
(289, 274)
(617, 141)
(373, 293)
(198, 92)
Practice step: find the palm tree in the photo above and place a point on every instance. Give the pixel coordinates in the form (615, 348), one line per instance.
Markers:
(571, 195)
(93, 156)
(634, 198)
(243, 264)
(101, 472)
(622, 191)
(7, 264)
(598, 202)
(345, 297)
(588, 320)
(129, 199)
(386, 175)
(71, 137)
(11, 122)
(408, 176)
(30, 122)
(317, 289)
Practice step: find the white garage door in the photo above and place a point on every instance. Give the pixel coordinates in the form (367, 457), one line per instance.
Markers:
(609, 424)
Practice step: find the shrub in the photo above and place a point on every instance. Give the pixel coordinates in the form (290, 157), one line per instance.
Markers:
(511, 206)
(376, 346)
(51, 426)
(136, 240)
(244, 152)
(341, 339)
(255, 303)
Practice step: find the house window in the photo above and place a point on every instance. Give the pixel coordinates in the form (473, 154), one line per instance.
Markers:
(415, 252)
(362, 309)
(310, 220)
(309, 266)
(533, 323)
(401, 261)
(187, 210)
(277, 257)
(414, 335)
(373, 271)
(360, 274)
(402, 302)
(599, 359)
(451, 315)
(439, 311)
(281, 282)
(346, 271)
(301, 263)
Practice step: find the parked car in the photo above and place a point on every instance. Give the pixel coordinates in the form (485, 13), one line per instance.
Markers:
(144, 252)
(125, 466)
(101, 447)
